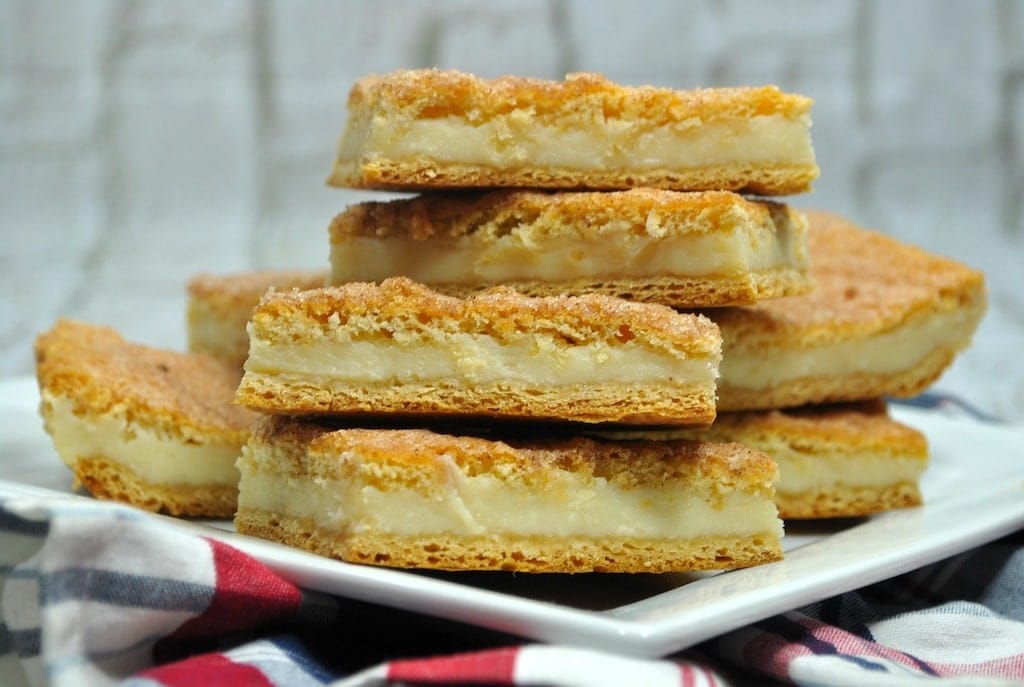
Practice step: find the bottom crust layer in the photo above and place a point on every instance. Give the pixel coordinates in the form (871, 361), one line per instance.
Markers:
(514, 553)
(418, 173)
(677, 292)
(110, 480)
(687, 404)
(842, 501)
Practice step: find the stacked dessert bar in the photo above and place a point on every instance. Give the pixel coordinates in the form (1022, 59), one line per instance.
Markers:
(441, 403)
(804, 378)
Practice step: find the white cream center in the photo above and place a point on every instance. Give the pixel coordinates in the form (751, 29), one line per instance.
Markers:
(800, 473)
(481, 504)
(891, 352)
(154, 457)
(518, 139)
(477, 359)
(521, 256)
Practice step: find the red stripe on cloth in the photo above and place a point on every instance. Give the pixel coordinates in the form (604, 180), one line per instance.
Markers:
(689, 674)
(208, 669)
(1007, 667)
(849, 644)
(248, 594)
(494, 666)
(772, 654)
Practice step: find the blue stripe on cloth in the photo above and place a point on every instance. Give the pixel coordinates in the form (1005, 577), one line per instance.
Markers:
(283, 660)
(24, 643)
(124, 589)
(1005, 593)
(11, 522)
(793, 631)
(291, 646)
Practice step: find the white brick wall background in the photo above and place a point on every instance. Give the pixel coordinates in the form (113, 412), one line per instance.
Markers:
(143, 141)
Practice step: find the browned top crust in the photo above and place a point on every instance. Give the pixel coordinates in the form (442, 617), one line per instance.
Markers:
(625, 463)
(500, 312)
(865, 283)
(100, 372)
(861, 426)
(582, 214)
(433, 93)
(245, 288)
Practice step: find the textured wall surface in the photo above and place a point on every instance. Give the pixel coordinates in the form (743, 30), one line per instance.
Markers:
(143, 141)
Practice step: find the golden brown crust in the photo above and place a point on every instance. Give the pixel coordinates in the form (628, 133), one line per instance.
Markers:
(819, 429)
(425, 175)
(435, 94)
(401, 310)
(244, 288)
(626, 404)
(114, 391)
(717, 290)
(498, 312)
(183, 395)
(319, 451)
(113, 481)
(848, 431)
(450, 92)
(219, 307)
(514, 553)
(844, 501)
(866, 285)
(426, 463)
(537, 218)
(801, 438)
(846, 427)
(582, 214)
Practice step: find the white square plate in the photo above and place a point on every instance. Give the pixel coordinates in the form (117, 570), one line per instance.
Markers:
(973, 491)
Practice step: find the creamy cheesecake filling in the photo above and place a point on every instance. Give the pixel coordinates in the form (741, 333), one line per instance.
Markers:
(152, 456)
(484, 504)
(801, 473)
(518, 139)
(893, 351)
(523, 256)
(478, 359)
(217, 332)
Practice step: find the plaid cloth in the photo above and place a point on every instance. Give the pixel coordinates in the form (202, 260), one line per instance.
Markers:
(100, 594)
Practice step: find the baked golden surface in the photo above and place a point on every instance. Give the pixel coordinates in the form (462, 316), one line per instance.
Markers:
(420, 129)
(219, 307)
(694, 249)
(573, 505)
(841, 460)
(884, 318)
(114, 408)
(401, 348)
